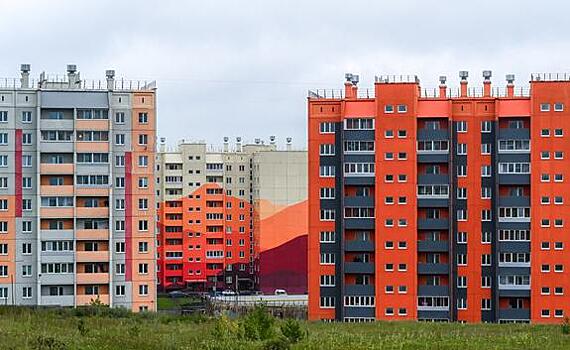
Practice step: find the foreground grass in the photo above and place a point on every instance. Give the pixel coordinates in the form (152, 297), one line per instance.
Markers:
(64, 329)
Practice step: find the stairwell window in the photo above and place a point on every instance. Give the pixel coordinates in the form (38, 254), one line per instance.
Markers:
(558, 107)
(545, 107)
(461, 126)
(402, 108)
(486, 126)
(388, 109)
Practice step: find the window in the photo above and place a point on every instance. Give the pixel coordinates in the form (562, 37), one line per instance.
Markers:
(26, 117)
(327, 193)
(486, 237)
(545, 132)
(462, 237)
(26, 138)
(327, 259)
(358, 169)
(462, 171)
(143, 289)
(359, 124)
(485, 304)
(461, 193)
(486, 260)
(462, 304)
(402, 156)
(26, 161)
(327, 128)
(3, 138)
(402, 134)
(143, 161)
(388, 134)
(143, 118)
(558, 155)
(558, 177)
(486, 215)
(120, 139)
(327, 281)
(26, 292)
(461, 214)
(544, 313)
(462, 259)
(545, 107)
(327, 302)
(514, 168)
(327, 150)
(485, 170)
(402, 108)
(514, 146)
(327, 171)
(327, 215)
(486, 126)
(461, 149)
(485, 148)
(486, 192)
(461, 281)
(558, 133)
(388, 155)
(26, 270)
(327, 237)
(461, 126)
(485, 281)
(388, 109)
(544, 155)
(558, 107)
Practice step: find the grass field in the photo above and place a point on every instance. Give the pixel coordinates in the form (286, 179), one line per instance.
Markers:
(69, 329)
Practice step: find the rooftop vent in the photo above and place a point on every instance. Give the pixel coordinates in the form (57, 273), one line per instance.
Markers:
(510, 78)
(487, 74)
(463, 74)
(25, 68)
(71, 68)
(442, 79)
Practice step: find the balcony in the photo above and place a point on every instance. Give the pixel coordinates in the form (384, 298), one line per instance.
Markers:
(433, 291)
(52, 235)
(359, 223)
(433, 179)
(514, 201)
(514, 293)
(56, 212)
(514, 134)
(359, 201)
(433, 269)
(98, 256)
(359, 289)
(83, 299)
(90, 146)
(359, 246)
(358, 267)
(56, 278)
(92, 212)
(92, 278)
(433, 224)
(56, 146)
(94, 191)
(64, 190)
(433, 246)
(433, 157)
(514, 314)
(57, 300)
(92, 124)
(359, 311)
(514, 179)
(433, 134)
(359, 180)
(92, 235)
(56, 124)
(433, 202)
(57, 169)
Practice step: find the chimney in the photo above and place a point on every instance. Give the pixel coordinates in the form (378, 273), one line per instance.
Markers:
(289, 146)
(350, 86)
(510, 85)
(72, 76)
(442, 86)
(487, 83)
(463, 75)
(163, 144)
(110, 79)
(238, 144)
(226, 144)
(25, 79)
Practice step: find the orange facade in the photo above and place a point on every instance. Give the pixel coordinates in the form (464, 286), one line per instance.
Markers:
(425, 207)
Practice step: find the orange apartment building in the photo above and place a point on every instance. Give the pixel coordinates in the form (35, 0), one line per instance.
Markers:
(227, 217)
(445, 205)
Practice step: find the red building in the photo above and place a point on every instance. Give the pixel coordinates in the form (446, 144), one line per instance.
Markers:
(423, 205)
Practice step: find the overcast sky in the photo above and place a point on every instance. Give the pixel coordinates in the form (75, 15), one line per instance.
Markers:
(243, 68)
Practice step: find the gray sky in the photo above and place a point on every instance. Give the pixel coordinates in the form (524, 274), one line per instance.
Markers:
(242, 68)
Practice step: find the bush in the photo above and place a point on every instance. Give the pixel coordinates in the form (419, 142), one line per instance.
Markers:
(279, 343)
(44, 342)
(258, 324)
(227, 329)
(566, 326)
(292, 330)
(81, 328)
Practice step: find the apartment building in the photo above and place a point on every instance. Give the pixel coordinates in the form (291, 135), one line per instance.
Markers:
(77, 202)
(227, 217)
(443, 205)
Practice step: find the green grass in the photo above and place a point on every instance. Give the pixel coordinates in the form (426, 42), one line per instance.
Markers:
(68, 329)
(168, 303)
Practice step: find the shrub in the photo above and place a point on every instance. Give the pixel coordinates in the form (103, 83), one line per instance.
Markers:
(566, 326)
(227, 329)
(45, 342)
(279, 343)
(292, 330)
(81, 328)
(258, 324)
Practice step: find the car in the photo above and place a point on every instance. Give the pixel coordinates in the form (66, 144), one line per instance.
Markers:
(280, 292)
(177, 294)
(228, 292)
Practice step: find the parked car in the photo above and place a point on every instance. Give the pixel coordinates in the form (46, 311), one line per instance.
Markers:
(280, 292)
(228, 292)
(177, 294)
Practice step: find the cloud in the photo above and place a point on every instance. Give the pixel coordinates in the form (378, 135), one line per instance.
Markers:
(242, 68)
